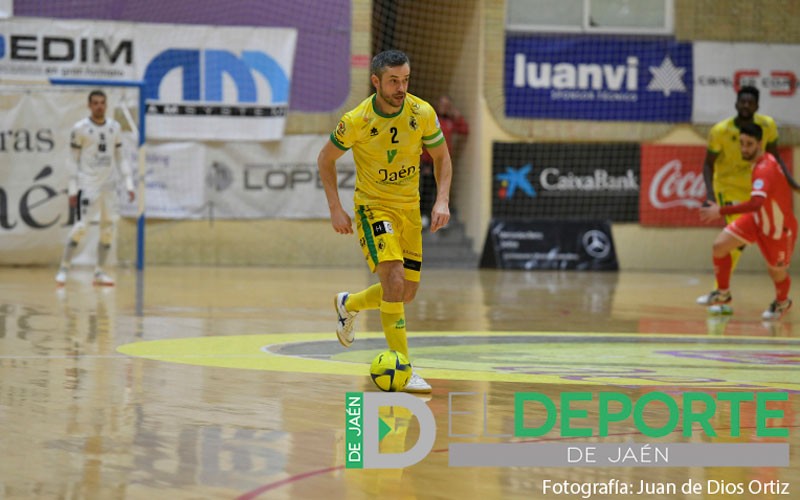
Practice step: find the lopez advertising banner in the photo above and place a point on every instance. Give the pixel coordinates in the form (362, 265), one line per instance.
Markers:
(271, 180)
(201, 82)
(672, 185)
(720, 69)
(277, 180)
(598, 78)
(566, 181)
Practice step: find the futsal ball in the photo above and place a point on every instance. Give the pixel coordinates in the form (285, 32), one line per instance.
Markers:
(390, 370)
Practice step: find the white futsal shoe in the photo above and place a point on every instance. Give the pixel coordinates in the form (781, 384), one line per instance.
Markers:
(417, 384)
(102, 279)
(713, 298)
(61, 276)
(776, 310)
(345, 328)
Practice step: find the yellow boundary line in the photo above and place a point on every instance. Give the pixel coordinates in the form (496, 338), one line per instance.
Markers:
(252, 352)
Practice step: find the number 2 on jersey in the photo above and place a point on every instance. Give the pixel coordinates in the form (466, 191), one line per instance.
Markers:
(391, 153)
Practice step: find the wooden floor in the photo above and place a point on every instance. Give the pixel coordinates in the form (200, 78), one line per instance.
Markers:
(243, 394)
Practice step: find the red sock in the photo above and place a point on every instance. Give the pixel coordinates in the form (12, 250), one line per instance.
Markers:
(782, 289)
(722, 271)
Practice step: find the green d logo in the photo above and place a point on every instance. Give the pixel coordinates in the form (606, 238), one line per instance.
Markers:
(364, 431)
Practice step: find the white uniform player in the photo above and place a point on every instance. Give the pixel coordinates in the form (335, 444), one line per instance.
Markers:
(96, 148)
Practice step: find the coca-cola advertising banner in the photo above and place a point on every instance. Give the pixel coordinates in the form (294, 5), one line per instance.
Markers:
(566, 181)
(673, 187)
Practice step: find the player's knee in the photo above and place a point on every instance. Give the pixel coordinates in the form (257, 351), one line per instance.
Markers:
(77, 233)
(778, 272)
(392, 282)
(107, 234)
(720, 249)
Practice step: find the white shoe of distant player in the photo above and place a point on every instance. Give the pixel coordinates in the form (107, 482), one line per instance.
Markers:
(417, 384)
(61, 276)
(102, 279)
(776, 310)
(345, 328)
(715, 297)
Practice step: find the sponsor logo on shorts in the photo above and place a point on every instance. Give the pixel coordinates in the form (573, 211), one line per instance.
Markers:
(382, 227)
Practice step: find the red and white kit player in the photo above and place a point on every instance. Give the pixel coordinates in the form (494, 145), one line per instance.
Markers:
(96, 144)
(768, 220)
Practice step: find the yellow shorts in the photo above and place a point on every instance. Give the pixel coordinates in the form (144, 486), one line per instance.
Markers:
(387, 234)
(731, 196)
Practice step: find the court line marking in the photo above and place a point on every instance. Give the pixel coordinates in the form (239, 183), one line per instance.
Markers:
(233, 352)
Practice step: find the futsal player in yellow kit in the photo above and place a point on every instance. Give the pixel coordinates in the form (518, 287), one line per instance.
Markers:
(728, 176)
(386, 133)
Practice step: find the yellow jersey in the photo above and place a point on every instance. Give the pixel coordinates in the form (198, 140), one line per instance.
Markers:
(731, 172)
(386, 149)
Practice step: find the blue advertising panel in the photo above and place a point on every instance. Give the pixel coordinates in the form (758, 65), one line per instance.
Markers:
(598, 78)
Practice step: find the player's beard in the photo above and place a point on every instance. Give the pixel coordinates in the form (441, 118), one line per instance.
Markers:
(393, 100)
(746, 115)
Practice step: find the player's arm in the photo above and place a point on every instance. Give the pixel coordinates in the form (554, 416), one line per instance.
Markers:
(326, 162)
(708, 175)
(73, 159)
(443, 172)
(124, 168)
(714, 211)
(772, 148)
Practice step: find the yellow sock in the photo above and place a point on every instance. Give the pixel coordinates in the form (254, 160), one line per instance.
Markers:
(369, 298)
(393, 320)
(735, 254)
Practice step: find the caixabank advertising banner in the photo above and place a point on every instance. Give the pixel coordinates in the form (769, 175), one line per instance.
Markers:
(566, 181)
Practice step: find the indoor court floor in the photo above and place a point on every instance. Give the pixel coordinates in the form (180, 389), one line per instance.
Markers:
(229, 383)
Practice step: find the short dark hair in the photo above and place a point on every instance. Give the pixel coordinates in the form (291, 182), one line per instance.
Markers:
(387, 59)
(748, 89)
(753, 130)
(96, 92)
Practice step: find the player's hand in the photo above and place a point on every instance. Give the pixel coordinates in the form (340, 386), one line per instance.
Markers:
(440, 216)
(131, 196)
(341, 221)
(709, 212)
(73, 201)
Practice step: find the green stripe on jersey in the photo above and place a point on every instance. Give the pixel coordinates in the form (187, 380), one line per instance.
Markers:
(433, 140)
(337, 144)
